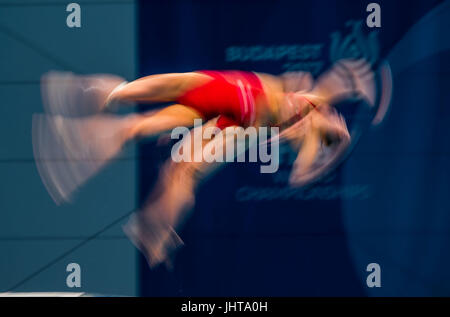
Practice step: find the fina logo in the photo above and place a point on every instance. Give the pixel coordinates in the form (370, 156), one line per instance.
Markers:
(355, 45)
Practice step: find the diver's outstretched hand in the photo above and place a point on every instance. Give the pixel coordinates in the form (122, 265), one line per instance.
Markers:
(347, 79)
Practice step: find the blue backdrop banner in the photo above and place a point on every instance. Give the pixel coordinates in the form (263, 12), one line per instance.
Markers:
(388, 203)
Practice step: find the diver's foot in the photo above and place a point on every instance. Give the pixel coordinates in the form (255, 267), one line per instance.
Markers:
(157, 242)
(71, 95)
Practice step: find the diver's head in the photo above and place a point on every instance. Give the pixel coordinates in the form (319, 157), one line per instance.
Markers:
(335, 131)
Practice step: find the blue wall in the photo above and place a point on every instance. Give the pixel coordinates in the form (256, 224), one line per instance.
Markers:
(35, 39)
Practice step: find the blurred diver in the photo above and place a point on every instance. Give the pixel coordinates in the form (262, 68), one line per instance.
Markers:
(79, 133)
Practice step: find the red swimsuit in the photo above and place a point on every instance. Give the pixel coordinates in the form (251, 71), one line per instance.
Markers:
(233, 95)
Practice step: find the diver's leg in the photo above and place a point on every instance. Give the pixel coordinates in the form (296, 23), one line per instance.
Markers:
(156, 88)
(72, 95)
(179, 180)
(153, 228)
(89, 143)
(166, 119)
